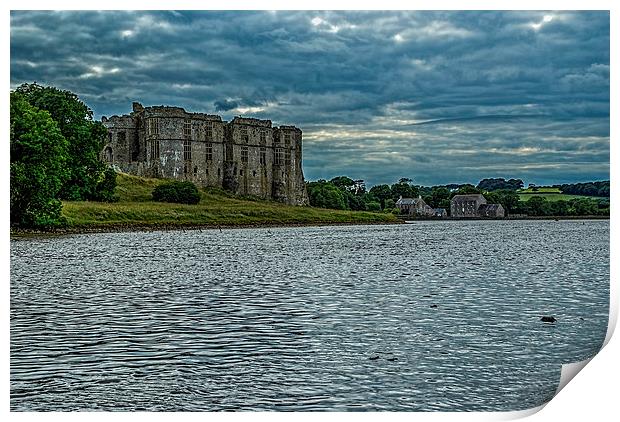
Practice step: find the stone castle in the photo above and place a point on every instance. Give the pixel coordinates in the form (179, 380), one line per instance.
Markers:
(245, 156)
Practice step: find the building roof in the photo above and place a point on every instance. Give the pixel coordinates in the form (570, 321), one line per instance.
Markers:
(489, 207)
(470, 197)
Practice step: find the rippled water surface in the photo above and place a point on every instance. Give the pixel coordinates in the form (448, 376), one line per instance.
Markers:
(425, 316)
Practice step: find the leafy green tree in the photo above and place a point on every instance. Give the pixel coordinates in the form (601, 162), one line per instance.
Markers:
(86, 138)
(492, 197)
(559, 208)
(445, 204)
(538, 206)
(508, 198)
(404, 189)
(343, 182)
(323, 194)
(38, 156)
(438, 194)
(354, 202)
(585, 206)
(465, 190)
(500, 183)
(381, 192)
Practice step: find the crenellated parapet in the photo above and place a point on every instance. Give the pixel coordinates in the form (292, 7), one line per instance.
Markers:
(247, 156)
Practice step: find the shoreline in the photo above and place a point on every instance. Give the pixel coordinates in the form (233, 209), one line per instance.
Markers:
(128, 228)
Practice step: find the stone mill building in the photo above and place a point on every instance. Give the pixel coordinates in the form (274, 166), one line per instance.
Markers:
(245, 156)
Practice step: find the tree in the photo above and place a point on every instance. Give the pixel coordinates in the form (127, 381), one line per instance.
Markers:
(86, 138)
(354, 202)
(500, 183)
(508, 198)
(538, 206)
(343, 182)
(38, 157)
(439, 194)
(492, 197)
(359, 187)
(324, 194)
(559, 208)
(381, 192)
(585, 206)
(404, 189)
(373, 206)
(465, 190)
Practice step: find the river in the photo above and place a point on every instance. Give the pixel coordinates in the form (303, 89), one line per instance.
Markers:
(437, 315)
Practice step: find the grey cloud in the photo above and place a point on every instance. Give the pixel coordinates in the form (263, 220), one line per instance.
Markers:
(486, 80)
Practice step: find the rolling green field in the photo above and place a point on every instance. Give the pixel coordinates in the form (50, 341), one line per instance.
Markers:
(550, 194)
(216, 208)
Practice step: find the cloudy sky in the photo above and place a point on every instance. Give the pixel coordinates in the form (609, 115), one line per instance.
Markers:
(439, 97)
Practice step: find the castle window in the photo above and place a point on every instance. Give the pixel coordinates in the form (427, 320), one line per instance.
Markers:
(263, 156)
(287, 139)
(218, 171)
(254, 173)
(279, 156)
(187, 128)
(195, 170)
(244, 135)
(187, 150)
(154, 150)
(287, 157)
(109, 136)
(240, 172)
(108, 155)
(209, 132)
(209, 154)
(263, 137)
(121, 136)
(244, 154)
(153, 126)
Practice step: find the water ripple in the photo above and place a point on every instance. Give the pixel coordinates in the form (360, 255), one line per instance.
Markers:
(431, 316)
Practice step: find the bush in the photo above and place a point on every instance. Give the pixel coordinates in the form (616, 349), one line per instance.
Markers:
(178, 192)
(373, 206)
(106, 186)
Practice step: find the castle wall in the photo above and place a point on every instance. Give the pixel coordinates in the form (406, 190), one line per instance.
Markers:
(250, 157)
(245, 156)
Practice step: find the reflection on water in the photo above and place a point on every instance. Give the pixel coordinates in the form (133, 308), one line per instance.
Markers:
(427, 316)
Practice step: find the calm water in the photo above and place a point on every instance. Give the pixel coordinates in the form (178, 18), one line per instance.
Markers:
(326, 318)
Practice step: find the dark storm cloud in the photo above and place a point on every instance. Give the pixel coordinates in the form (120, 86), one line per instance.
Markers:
(436, 96)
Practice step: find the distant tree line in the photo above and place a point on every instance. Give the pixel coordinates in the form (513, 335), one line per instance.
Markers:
(540, 206)
(500, 184)
(54, 147)
(344, 193)
(586, 189)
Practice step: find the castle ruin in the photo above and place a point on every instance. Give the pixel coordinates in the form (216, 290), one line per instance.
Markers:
(245, 156)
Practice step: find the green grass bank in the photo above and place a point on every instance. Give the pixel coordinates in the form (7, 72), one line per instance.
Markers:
(550, 194)
(217, 208)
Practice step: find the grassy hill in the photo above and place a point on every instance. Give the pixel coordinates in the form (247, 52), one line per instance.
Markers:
(549, 193)
(136, 209)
